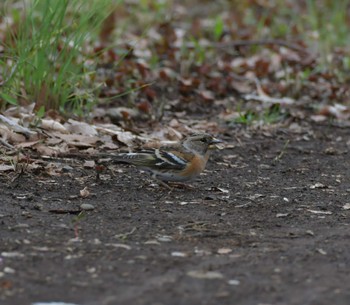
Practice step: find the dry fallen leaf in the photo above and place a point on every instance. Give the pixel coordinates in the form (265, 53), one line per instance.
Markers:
(12, 124)
(338, 111)
(89, 164)
(76, 127)
(6, 168)
(11, 136)
(45, 150)
(124, 137)
(224, 250)
(27, 144)
(84, 192)
(77, 140)
(49, 124)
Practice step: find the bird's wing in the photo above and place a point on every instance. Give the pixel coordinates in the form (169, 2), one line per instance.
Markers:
(164, 158)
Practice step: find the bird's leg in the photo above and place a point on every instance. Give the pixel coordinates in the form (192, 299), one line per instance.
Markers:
(182, 186)
(165, 185)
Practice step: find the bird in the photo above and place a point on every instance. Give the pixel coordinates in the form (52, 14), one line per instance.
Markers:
(180, 162)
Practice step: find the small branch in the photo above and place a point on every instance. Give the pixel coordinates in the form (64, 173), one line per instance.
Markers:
(242, 43)
(16, 127)
(269, 100)
(8, 145)
(279, 157)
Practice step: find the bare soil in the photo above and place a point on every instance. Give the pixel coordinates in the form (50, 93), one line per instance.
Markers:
(267, 223)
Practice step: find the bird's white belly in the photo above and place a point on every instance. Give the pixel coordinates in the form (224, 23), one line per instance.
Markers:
(172, 177)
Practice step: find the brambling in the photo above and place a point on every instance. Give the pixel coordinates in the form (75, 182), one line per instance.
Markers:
(180, 162)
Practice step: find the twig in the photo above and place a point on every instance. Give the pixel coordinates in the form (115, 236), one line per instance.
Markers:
(238, 140)
(16, 127)
(66, 157)
(125, 235)
(279, 157)
(8, 145)
(270, 100)
(242, 43)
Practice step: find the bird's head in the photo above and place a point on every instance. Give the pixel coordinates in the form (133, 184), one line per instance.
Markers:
(200, 142)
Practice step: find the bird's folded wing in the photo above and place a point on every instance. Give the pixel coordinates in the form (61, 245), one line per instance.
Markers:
(156, 159)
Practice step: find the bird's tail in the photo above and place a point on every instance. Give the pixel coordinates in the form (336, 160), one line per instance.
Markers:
(139, 159)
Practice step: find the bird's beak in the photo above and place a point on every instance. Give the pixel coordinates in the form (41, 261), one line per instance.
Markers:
(213, 143)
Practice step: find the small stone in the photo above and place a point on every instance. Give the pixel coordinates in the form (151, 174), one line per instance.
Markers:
(264, 166)
(9, 270)
(309, 232)
(151, 242)
(87, 207)
(346, 206)
(91, 270)
(178, 254)
(12, 254)
(318, 185)
(280, 215)
(321, 251)
(209, 275)
(234, 282)
(164, 238)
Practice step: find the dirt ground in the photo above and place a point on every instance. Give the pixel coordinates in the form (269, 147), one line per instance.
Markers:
(267, 223)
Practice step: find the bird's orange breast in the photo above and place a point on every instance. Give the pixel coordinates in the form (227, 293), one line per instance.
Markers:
(196, 166)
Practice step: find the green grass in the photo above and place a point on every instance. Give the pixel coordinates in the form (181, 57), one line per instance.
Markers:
(45, 52)
(48, 49)
(270, 115)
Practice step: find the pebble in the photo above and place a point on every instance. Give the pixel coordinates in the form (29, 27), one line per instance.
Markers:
(234, 282)
(9, 270)
(87, 207)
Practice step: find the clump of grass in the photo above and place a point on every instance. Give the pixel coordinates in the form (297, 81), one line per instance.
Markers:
(45, 52)
(270, 115)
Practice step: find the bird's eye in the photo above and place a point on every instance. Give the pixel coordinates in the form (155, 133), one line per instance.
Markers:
(204, 140)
